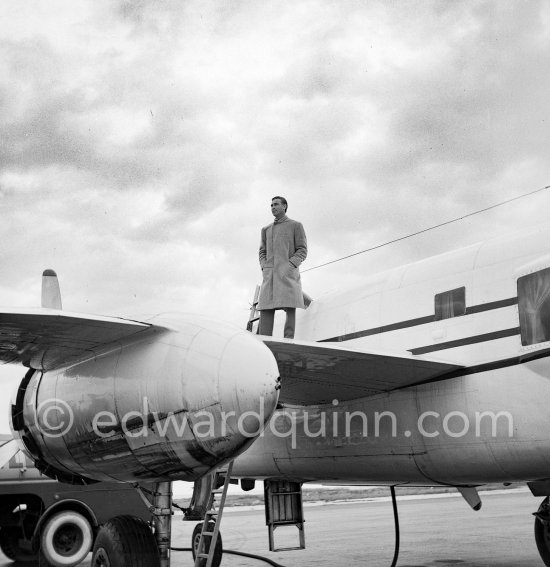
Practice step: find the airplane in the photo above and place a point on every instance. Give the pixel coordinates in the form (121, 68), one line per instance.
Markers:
(432, 373)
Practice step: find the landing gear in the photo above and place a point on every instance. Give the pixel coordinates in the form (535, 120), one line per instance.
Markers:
(195, 539)
(542, 530)
(125, 541)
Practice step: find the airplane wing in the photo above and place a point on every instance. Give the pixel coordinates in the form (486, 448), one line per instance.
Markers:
(47, 338)
(314, 373)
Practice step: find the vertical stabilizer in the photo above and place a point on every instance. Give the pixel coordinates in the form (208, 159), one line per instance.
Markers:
(51, 295)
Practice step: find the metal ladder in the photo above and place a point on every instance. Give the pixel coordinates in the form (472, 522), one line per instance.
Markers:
(254, 316)
(215, 514)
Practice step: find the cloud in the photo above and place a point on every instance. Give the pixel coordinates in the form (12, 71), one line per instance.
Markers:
(143, 142)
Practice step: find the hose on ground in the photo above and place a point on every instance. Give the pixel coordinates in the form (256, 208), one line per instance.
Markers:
(396, 523)
(274, 564)
(241, 553)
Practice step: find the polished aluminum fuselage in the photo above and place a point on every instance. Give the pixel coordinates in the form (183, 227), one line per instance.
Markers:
(163, 407)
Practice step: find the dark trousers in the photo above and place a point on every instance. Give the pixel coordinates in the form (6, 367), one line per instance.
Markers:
(267, 318)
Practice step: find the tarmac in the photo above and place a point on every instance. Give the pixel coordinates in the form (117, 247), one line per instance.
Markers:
(440, 531)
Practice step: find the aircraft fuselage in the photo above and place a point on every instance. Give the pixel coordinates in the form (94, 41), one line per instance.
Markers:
(484, 308)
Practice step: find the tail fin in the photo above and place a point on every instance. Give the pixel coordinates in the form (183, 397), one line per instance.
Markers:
(51, 295)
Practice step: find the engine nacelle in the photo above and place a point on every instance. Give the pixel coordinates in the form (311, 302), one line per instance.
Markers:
(191, 394)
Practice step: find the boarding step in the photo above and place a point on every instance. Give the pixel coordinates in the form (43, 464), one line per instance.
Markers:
(283, 507)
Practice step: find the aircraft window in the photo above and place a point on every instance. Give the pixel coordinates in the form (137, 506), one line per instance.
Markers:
(450, 304)
(534, 307)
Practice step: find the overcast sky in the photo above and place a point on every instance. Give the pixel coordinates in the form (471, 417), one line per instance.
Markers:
(141, 142)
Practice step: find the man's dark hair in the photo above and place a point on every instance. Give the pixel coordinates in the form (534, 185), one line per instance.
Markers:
(283, 201)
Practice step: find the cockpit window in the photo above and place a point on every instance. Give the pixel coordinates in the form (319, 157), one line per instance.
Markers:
(450, 303)
(534, 307)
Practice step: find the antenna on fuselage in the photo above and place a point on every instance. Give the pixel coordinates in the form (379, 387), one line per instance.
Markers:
(51, 295)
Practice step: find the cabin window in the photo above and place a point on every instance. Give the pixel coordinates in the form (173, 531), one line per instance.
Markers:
(450, 304)
(534, 307)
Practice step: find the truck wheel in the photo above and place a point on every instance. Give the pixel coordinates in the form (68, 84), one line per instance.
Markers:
(66, 539)
(9, 544)
(195, 540)
(125, 541)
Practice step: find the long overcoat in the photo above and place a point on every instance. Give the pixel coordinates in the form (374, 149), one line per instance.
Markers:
(282, 249)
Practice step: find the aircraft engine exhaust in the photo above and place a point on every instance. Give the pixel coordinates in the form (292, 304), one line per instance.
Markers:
(191, 394)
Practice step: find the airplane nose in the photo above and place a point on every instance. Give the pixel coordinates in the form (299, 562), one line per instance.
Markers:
(248, 385)
(230, 384)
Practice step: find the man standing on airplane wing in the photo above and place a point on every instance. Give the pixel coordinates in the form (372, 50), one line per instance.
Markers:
(283, 248)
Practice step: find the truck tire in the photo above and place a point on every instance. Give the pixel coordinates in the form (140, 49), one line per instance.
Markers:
(125, 541)
(9, 544)
(66, 539)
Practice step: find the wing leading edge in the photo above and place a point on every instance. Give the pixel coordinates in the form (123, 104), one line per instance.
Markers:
(47, 338)
(313, 373)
